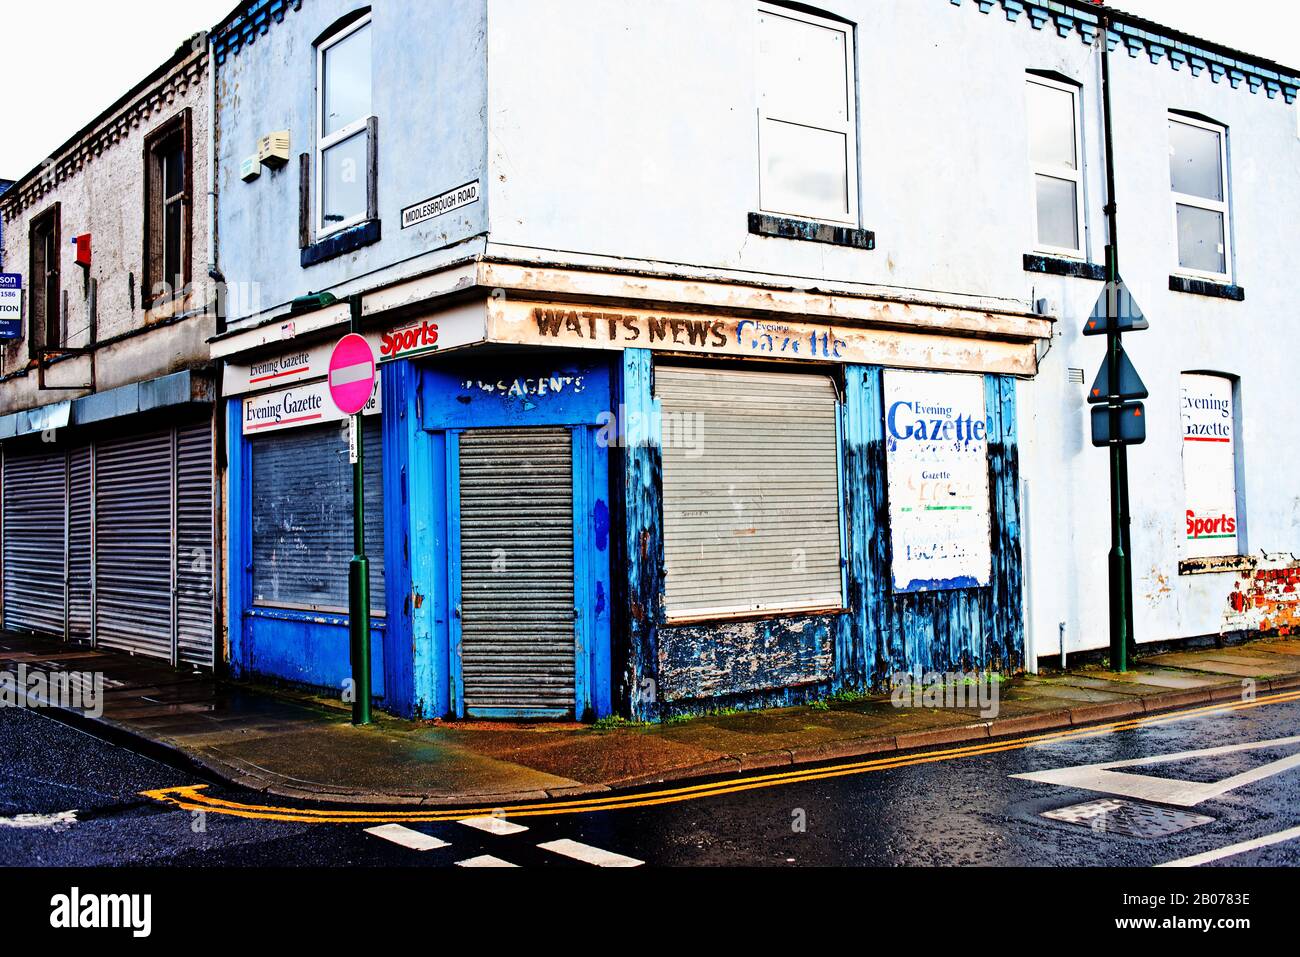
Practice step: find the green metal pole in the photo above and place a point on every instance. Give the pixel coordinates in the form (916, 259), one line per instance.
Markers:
(359, 569)
(1120, 580)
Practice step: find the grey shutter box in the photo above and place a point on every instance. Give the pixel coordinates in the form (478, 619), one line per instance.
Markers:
(516, 588)
(751, 492)
(194, 547)
(80, 543)
(133, 545)
(35, 516)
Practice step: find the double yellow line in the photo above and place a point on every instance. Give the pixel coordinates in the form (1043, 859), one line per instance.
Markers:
(195, 798)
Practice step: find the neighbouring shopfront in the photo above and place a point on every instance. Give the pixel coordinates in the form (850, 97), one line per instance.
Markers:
(108, 521)
(574, 512)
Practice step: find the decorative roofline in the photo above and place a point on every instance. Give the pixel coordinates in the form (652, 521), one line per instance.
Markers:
(242, 28)
(1070, 19)
(106, 134)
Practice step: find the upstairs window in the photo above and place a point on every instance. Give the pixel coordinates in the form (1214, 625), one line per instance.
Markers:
(807, 117)
(1056, 156)
(167, 263)
(345, 138)
(44, 312)
(1198, 172)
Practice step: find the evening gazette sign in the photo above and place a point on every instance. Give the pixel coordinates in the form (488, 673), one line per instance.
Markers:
(937, 445)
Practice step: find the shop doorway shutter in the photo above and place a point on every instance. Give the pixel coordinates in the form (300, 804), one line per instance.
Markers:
(516, 600)
(133, 545)
(35, 526)
(194, 546)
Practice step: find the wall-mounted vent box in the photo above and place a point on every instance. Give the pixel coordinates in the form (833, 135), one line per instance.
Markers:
(273, 149)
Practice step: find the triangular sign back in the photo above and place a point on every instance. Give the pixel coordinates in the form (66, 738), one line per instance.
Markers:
(1117, 301)
(1131, 385)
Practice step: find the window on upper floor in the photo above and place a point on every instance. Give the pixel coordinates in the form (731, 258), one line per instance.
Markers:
(45, 326)
(807, 116)
(1198, 172)
(1056, 156)
(345, 129)
(168, 218)
(1210, 467)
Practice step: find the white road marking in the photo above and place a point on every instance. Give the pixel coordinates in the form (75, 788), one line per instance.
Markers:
(494, 825)
(589, 855)
(25, 821)
(487, 860)
(1100, 777)
(1232, 850)
(346, 375)
(407, 837)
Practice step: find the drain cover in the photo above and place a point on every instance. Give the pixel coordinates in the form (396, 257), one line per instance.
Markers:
(1129, 818)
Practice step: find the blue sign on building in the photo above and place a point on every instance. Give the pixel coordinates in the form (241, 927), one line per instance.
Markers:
(11, 306)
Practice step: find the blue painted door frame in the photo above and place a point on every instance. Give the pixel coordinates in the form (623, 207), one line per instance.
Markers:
(449, 405)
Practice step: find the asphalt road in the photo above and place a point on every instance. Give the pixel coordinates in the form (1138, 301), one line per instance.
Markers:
(964, 811)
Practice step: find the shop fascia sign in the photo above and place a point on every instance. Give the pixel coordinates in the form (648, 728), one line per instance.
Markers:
(595, 327)
(298, 407)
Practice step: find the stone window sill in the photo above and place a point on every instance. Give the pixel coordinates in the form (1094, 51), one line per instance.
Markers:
(784, 227)
(1217, 565)
(341, 243)
(1058, 266)
(1205, 287)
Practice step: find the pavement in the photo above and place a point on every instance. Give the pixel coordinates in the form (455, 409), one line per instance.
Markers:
(294, 746)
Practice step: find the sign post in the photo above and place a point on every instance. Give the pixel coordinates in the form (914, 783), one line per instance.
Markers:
(352, 376)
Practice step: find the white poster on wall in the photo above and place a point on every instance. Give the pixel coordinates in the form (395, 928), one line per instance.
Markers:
(937, 458)
(1209, 467)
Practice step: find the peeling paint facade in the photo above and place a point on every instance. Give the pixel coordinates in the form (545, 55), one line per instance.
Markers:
(636, 445)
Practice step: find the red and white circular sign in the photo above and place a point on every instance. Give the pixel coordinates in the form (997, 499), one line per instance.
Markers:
(352, 374)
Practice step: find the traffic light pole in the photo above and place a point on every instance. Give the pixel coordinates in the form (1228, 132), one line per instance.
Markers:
(1121, 586)
(359, 568)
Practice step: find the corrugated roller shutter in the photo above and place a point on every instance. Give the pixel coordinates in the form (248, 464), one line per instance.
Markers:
(35, 497)
(194, 546)
(133, 545)
(80, 542)
(751, 492)
(516, 530)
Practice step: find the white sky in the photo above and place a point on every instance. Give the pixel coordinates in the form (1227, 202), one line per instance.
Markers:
(91, 52)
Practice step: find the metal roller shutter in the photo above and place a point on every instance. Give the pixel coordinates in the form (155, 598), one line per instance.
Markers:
(133, 545)
(516, 553)
(751, 492)
(80, 543)
(194, 546)
(35, 528)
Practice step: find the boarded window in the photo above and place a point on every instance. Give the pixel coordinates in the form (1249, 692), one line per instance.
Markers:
(45, 312)
(751, 493)
(302, 518)
(807, 115)
(1209, 467)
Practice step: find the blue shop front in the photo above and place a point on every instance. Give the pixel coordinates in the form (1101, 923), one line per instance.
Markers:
(578, 511)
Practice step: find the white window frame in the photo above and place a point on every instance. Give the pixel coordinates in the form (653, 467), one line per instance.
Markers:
(1224, 207)
(849, 129)
(358, 127)
(1061, 172)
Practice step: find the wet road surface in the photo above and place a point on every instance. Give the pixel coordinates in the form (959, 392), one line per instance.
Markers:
(961, 811)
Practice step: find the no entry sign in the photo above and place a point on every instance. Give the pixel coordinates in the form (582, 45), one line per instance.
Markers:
(352, 374)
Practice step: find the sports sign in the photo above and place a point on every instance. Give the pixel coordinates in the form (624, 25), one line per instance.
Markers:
(1209, 467)
(937, 457)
